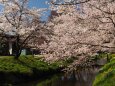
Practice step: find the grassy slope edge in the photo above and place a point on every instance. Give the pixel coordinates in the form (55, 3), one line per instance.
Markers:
(106, 75)
(12, 70)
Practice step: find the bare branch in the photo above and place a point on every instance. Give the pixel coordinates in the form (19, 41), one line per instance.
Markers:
(71, 3)
(110, 13)
(94, 45)
(9, 20)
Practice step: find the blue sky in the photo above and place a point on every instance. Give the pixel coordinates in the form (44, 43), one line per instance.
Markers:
(40, 4)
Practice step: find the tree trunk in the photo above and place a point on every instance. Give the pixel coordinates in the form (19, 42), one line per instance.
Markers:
(18, 52)
(108, 58)
(18, 48)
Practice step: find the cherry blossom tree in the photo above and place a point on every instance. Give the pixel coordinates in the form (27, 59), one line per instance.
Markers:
(17, 20)
(81, 33)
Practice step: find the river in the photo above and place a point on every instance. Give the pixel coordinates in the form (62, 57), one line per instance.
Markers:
(81, 78)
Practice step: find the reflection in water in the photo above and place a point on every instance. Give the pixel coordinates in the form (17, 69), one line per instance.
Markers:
(81, 78)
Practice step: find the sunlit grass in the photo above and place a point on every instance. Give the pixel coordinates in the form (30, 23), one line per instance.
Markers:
(25, 64)
(106, 76)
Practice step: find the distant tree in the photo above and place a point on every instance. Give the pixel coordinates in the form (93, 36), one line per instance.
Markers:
(17, 19)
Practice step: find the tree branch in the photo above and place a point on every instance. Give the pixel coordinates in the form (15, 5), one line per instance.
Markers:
(71, 3)
(94, 45)
(110, 13)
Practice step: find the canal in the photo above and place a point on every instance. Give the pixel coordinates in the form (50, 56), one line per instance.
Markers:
(81, 78)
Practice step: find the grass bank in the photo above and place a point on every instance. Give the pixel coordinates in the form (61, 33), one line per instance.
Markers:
(106, 75)
(24, 69)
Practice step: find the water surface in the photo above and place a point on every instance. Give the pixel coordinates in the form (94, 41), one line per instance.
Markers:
(81, 78)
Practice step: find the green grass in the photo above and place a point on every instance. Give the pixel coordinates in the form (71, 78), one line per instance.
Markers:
(64, 63)
(106, 76)
(103, 55)
(24, 65)
(24, 69)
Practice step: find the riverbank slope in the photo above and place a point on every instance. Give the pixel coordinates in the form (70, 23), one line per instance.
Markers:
(25, 69)
(106, 75)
